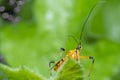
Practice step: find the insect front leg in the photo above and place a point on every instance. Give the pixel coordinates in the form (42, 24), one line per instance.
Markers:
(93, 60)
(51, 62)
(61, 49)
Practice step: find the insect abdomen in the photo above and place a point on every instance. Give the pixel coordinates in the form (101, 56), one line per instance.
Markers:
(59, 63)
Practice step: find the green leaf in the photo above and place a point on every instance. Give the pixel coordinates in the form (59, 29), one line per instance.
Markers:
(22, 73)
(71, 70)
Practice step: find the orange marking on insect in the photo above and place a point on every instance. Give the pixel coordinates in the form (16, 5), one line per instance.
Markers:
(59, 63)
(74, 54)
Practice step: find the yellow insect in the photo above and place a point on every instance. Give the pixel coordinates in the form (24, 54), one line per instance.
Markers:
(75, 53)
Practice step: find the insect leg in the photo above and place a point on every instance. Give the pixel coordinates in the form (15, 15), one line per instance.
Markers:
(61, 49)
(91, 58)
(51, 62)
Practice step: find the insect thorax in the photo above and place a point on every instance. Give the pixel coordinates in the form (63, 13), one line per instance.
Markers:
(74, 54)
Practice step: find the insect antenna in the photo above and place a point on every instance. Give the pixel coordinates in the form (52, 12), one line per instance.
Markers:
(74, 38)
(84, 24)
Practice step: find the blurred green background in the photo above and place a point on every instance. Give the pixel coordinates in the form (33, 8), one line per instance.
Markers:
(44, 28)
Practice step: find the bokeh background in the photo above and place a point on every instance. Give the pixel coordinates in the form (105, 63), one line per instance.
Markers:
(44, 27)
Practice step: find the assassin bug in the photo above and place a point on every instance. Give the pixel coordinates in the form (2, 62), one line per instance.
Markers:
(75, 53)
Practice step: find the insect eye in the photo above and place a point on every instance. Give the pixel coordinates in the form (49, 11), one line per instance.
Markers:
(78, 47)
